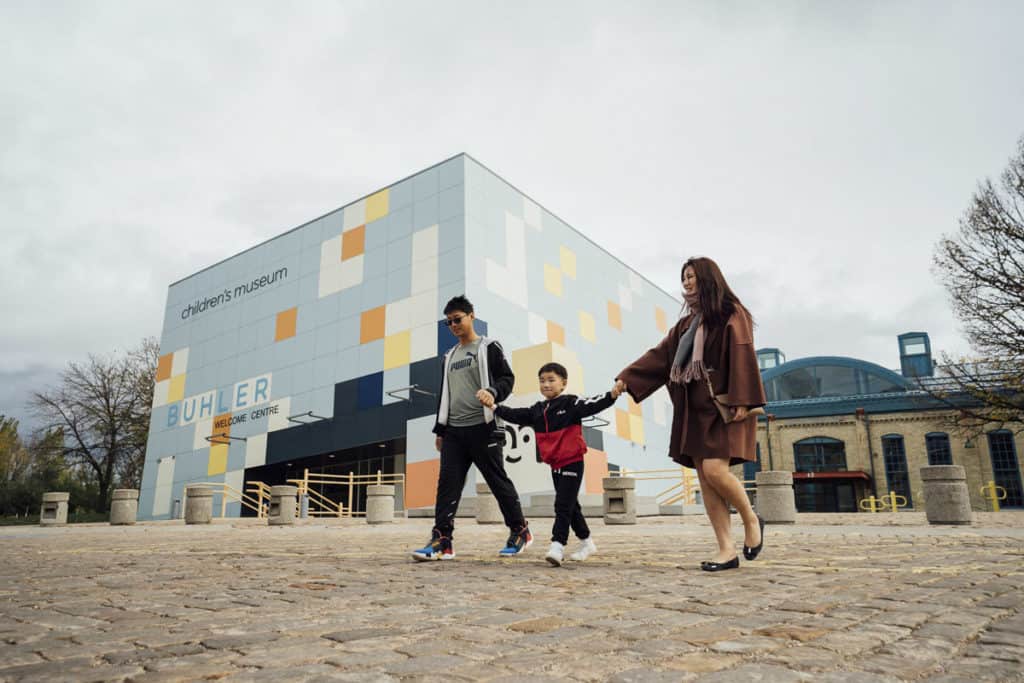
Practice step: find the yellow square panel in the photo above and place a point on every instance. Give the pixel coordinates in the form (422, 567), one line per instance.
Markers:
(636, 429)
(587, 327)
(622, 424)
(377, 206)
(177, 389)
(660, 320)
(218, 463)
(556, 333)
(567, 259)
(614, 315)
(634, 407)
(396, 350)
(553, 279)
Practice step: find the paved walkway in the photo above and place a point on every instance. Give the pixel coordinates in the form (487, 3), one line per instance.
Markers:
(879, 598)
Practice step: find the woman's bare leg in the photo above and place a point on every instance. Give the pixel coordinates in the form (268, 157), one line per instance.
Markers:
(718, 513)
(716, 473)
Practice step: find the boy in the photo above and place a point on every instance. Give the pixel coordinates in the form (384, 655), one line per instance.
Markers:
(475, 374)
(557, 423)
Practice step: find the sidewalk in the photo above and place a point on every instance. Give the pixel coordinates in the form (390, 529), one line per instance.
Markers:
(876, 598)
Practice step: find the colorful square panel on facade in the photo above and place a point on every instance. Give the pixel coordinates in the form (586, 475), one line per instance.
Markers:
(567, 259)
(622, 424)
(377, 205)
(614, 315)
(527, 361)
(176, 391)
(661, 320)
(285, 325)
(556, 333)
(553, 279)
(421, 483)
(636, 429)
(353, 242)
(371, 325)
(369, 390)
(218, 462)
(587, 327)
(163, 367)
(595, 469)
(397, 350)
(634, 407)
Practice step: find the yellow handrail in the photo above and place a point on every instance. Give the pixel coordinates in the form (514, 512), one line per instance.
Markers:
(227, 491)
(349, 480)
(994, 493)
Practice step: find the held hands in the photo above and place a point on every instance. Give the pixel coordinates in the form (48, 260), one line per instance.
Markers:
(486, 398)
(618, 388)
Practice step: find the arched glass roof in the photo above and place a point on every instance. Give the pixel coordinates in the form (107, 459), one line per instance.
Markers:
(830, 376)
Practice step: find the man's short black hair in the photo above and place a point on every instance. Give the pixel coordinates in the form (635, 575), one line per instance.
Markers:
(458, 303)
(556, 368)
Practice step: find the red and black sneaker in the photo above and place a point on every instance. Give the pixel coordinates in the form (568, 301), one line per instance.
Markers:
(439, 548)
(518, 541)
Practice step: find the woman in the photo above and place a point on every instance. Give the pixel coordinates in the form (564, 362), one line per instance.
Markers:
(713, 341)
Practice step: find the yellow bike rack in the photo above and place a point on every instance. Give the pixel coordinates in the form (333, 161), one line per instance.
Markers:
(993, 493)
(891, 500)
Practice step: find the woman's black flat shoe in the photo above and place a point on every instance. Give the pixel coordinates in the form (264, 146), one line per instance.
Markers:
(734, 563)
(752, 553)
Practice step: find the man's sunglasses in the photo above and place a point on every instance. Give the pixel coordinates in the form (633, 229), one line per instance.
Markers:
(454, 321)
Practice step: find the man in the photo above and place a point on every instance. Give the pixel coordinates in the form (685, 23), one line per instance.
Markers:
(475, 373)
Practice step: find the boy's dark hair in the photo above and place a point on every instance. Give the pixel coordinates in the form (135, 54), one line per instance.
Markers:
(556, 368)
(458, 303)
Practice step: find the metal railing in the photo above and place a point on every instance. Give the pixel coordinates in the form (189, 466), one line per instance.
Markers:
(890, 501)
(684, 489)
(322, 506)
(229, 493)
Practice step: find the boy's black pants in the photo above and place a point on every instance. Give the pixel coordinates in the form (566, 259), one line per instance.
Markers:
(568, 513)
(478, 445)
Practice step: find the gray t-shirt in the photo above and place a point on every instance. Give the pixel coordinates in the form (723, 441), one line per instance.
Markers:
(464, 409)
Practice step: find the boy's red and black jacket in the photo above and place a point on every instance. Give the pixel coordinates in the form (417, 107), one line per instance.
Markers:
(557, 424)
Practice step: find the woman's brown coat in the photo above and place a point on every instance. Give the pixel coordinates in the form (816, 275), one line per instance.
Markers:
(697, 429)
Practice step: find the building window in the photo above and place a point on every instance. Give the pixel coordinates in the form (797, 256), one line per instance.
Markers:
(819, 454)
(937, 445)
(896, 473)
(1005, 469)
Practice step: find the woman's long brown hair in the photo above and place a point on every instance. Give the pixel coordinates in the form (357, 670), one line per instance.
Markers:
(717, 300)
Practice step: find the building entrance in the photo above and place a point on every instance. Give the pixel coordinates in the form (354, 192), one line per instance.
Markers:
(387, 457)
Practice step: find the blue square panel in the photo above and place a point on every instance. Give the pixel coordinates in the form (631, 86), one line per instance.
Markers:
(399, 223)
(370, 388)
(400, 194)
(426, 212)
(452, 172)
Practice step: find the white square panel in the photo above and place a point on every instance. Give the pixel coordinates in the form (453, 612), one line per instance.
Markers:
(256, 450)
(396, 316)
(423, 342)
(424, 275)
(355, 215)
(424, 243)
(179, 364)
(537, 328)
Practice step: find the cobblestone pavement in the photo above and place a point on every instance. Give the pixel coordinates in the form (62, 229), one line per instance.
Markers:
(878, 598)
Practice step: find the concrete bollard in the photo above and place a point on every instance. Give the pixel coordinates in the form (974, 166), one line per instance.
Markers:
(775, 500)
(619, 500)
(487, 509)
(282, 505)
(54, 510)
(380, 504)
(124, 506)
(198, 505)
(946, 498)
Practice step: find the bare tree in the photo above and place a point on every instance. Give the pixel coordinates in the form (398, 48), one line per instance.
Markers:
(982, 269)
(101, 408)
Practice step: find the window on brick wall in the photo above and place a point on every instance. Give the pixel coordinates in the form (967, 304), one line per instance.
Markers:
(937, 446)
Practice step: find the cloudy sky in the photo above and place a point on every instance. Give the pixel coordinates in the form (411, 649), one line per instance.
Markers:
(816, 150)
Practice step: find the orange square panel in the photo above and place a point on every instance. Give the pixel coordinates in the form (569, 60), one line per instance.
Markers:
(556, 333)
(285, 328)
(353, 242)
(614, 315)
(421, 483)
(163, 367)
(371, 325)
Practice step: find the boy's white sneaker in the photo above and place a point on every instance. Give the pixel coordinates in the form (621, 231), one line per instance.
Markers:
(586, 549)
(555, 554)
